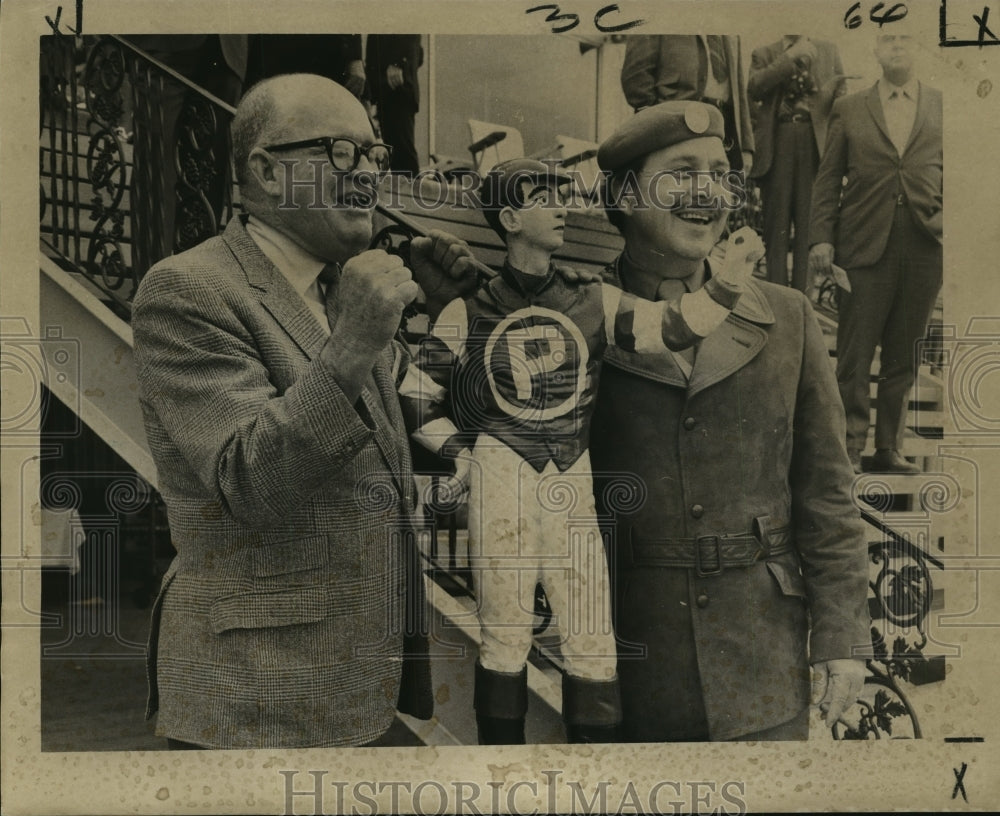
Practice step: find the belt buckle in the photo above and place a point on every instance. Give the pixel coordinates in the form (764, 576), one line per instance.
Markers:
(699, 568)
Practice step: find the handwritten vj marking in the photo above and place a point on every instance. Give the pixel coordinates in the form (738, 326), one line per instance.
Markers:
(54, 25)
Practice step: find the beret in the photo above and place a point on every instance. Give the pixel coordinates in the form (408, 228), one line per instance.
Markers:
(659, 126)
(502, 185)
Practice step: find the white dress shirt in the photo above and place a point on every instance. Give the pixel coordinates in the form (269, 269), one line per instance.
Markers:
(899, 106)
(300, 268)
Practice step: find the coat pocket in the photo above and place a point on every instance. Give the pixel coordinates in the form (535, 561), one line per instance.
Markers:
(264, 610)
(287, 557)
(786, 572)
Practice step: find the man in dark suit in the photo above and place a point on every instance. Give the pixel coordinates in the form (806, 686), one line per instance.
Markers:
(884, 228)
(392, 61)
(705, 68)
(739, 558)
(335, 56)
(795, 81)
(267, 369)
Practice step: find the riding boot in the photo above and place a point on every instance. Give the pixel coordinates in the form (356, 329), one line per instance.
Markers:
(501, 702)
(592, 709)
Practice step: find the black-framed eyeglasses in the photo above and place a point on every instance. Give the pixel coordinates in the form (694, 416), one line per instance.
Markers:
(344, 153)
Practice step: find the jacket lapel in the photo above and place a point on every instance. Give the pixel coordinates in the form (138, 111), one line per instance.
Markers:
(875, 109)
(276, 293)
(919, 118)
(733, 344)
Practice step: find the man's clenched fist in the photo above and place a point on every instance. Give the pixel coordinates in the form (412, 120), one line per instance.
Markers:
(374, 289)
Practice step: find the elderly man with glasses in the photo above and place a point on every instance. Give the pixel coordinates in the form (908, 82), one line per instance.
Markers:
(267, 366)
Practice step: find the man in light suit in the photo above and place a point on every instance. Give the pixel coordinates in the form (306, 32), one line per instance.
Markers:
(267, 368)
(795, 81)
(704, 68)
(884, 228)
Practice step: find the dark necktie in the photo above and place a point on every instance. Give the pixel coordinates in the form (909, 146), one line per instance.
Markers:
(717, 57)
(328, 278)
(673, 289)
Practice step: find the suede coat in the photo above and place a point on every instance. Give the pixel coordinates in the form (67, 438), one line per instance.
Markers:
(280, 623)
(756, 433)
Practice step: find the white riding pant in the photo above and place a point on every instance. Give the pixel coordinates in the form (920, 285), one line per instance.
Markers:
(527, 527)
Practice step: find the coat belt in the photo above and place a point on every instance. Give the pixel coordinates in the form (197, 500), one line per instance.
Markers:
(711, 554)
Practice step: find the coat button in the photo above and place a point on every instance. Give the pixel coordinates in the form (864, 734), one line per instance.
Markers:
(702, 600)
(689, 423)
(697, 511)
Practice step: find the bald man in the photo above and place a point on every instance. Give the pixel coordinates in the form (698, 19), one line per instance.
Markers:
(267, 366)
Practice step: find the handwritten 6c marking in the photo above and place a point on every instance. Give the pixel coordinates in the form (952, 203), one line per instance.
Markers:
(555, 15)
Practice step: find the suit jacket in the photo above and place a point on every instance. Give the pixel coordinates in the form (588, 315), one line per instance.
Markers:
(663, 67)
(770, 68)
(280, 621)
(402, 50)
(856, 217)
(757, 431)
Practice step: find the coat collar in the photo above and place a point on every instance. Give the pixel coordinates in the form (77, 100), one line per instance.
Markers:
(731, 346)
(275, 292)
(874, 103)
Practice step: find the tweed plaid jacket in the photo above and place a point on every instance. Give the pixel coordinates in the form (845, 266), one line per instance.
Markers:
(281, 622)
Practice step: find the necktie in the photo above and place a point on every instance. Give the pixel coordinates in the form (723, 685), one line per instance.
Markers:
(671, 289)
(328, 278)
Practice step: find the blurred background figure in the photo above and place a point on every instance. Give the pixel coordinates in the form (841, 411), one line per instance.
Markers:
(795, 81)
(392, 61)
(883, 227)
(334, 56)
(705, 68)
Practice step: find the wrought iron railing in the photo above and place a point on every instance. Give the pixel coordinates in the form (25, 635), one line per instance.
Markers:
(121, 187)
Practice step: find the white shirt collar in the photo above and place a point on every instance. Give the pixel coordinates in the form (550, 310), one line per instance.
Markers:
(910, 89)
(300, 268)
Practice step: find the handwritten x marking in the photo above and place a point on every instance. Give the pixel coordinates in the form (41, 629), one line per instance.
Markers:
(959, 784)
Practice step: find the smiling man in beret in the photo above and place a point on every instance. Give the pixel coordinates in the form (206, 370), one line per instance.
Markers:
(742, 560)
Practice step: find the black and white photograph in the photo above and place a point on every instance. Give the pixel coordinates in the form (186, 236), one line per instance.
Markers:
(476, 407)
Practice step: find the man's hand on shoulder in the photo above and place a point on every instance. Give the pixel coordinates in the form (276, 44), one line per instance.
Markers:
(445, 269)
(573, 274)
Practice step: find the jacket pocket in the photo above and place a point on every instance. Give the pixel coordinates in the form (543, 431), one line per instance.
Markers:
(264, 610)
(786, 572)
(287, 557)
